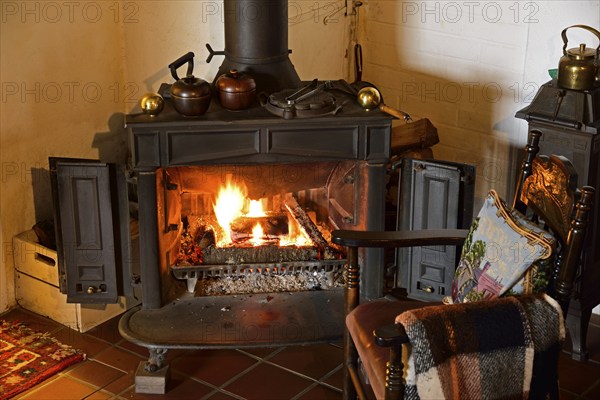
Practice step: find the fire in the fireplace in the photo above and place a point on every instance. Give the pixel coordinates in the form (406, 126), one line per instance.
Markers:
(250, 229)
(244, 221)
(239, 230)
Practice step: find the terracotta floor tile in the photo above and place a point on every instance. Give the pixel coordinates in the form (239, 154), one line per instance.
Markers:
(96, 373)
(221, 396)
(100, 395)
(336, 379)
(142, 351)
(321, 393)
(119, 359)
(87, 344)
(213, 366)
(26, 394)
(564, 395)
(64, 388)
(121, 384)
(179, 388)
(594, 392)
(114, 360)
(575, 376)
(314, 361)
(266, 382)
(262, 352)
(108, 331)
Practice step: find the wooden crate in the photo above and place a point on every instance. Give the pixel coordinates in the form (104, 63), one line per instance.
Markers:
(33, 259)
(36, 281)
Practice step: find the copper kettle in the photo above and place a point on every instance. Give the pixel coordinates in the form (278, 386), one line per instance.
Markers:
(190, 95)
(579, 67)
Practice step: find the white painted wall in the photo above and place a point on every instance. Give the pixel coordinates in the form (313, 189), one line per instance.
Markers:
(469, 66)
(61, 78)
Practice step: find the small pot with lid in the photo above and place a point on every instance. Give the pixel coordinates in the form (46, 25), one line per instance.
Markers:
(237, 90)
(190, 95)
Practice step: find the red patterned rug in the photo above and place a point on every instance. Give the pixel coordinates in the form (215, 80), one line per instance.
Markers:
(28, 358)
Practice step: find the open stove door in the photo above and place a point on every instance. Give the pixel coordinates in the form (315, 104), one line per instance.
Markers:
(93, 235)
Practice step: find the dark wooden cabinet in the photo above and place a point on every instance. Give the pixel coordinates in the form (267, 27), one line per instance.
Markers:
(570, 124)
(583, 149)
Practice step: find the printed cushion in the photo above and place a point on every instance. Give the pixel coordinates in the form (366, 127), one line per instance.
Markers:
(503, 254)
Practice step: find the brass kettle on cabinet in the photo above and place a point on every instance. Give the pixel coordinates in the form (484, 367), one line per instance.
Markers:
(579, 67)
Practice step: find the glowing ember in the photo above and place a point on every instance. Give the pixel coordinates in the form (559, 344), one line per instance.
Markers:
(300, 240)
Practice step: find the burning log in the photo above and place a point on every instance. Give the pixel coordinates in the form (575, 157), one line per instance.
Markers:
(258, 254)
(313, 232)
(201, 235)
(274, 226)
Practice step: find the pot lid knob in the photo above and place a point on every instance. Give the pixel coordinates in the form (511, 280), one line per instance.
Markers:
(236, 81)
(190, 87)
(582, 52)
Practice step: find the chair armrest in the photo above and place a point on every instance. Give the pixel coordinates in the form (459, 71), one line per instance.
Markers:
(390, 335)
(393, 336)
(426, 237)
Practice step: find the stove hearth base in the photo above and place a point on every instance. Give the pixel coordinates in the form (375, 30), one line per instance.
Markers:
(232, 321)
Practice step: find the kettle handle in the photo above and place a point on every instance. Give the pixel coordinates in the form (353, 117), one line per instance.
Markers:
(587, 28)
(186, 58)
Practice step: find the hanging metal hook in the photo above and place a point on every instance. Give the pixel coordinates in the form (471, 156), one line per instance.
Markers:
(355, 5)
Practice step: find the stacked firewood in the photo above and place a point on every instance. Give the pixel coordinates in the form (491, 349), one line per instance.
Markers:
(414, 140)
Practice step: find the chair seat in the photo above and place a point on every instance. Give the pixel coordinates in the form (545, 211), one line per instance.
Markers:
(362, 321)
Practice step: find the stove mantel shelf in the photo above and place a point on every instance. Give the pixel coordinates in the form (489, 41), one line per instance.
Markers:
(257, 114)
(256, 136)
(238, 321)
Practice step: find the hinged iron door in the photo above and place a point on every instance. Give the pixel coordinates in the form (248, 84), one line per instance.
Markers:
(435, 195)
(91, 243)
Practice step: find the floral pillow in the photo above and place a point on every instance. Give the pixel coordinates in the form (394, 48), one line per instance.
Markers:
(503, 254)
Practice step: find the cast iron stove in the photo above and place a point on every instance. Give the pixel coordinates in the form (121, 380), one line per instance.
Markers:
(349, 149)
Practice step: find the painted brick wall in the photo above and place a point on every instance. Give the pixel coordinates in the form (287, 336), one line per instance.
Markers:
(468, 66)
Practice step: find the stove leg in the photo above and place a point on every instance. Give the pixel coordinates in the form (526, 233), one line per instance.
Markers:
(191, 282)
(156, 360)
(153, 375)
(577, 322)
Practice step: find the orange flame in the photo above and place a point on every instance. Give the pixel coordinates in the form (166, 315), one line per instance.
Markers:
(255, 209)
(228, 207)
(257, 234)
(230, 204)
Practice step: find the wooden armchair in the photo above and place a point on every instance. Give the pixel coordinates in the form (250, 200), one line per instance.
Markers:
(546, 193)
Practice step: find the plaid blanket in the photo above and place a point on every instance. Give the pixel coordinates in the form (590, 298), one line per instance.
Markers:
(483, 350)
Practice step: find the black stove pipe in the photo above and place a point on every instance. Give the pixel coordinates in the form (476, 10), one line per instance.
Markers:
(256, 42)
